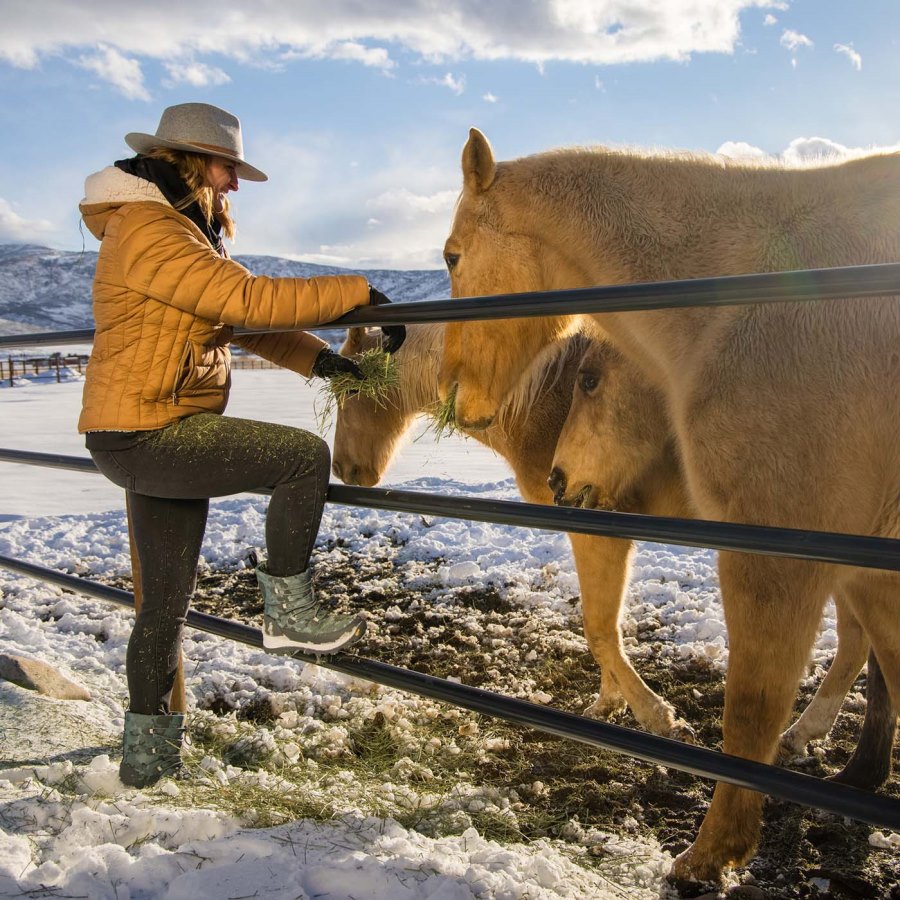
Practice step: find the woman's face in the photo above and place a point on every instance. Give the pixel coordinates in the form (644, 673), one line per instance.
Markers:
(221, 175)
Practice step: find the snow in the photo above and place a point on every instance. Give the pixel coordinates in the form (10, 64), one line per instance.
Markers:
(100, 839)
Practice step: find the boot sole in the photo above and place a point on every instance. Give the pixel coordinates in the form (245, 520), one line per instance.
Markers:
(281, 644)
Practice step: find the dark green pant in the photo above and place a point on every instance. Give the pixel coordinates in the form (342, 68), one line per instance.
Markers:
(169, 475)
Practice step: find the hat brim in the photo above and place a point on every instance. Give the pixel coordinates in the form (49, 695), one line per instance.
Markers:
(144, 143)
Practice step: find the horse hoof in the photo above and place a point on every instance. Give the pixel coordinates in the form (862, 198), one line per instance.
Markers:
(691, 877)
(791, 747)
(605, 709)
(681, 731)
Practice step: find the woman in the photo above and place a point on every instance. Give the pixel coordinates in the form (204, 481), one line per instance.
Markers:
(166, 301)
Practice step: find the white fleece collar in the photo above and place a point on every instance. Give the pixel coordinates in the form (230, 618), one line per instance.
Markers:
(112, 185)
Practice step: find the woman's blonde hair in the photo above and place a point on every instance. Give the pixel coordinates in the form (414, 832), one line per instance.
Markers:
(192, 168)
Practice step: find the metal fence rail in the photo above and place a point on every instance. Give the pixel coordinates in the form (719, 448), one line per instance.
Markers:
(806, 790)
(881, 280)
(818, 546)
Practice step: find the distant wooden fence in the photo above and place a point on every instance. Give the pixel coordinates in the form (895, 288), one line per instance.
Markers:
(27, 366)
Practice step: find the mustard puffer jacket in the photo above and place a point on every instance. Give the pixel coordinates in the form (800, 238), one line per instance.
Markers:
(165, 305)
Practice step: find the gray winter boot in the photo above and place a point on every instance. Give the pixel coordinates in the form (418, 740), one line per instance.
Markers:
(295, 620)
(152, 747)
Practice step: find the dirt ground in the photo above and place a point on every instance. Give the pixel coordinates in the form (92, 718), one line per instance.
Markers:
(487, 642)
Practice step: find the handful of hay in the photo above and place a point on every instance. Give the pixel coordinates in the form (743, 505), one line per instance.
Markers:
(443, 417)
(380, 379)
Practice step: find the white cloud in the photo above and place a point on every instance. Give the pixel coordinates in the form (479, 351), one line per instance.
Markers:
(405, 204)
(457, 85)
(769, 20)
(801, 150)
(740, 150)
(851, 54)
(14, 227)
(598, 83)
(489, 98)
(601, 32)
(124, 74)
(793, 40)
(195, 74)
(376, 57)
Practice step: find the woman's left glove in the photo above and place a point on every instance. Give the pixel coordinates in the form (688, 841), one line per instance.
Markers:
(393, 336)
(328, 364)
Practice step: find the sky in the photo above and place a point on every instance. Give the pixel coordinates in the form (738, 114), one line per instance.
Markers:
(358, 112)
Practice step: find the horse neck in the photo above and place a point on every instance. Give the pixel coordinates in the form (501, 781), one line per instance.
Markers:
(623, 218)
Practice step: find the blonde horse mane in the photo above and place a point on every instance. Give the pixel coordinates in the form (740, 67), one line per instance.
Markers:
(543, 372)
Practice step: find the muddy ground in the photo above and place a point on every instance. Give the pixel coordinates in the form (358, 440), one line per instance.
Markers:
(481, 638)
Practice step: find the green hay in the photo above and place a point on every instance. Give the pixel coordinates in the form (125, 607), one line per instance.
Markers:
(443, 417)
(380, 383)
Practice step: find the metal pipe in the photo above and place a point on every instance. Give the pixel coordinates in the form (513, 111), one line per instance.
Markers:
(879, 280)
(818, 546)
(863, 806)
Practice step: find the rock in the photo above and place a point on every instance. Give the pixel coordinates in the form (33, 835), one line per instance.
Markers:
(40, 677)
(746, 892)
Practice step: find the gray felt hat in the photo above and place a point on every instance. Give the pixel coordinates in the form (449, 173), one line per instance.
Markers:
(198, 128)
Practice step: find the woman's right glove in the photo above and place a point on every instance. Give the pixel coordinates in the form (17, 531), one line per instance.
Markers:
(328, 364)
(393, 336)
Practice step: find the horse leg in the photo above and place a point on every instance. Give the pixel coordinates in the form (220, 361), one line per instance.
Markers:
(603, 565)
(870, 766)
(772, 610)
(874, 602)
(817, 719)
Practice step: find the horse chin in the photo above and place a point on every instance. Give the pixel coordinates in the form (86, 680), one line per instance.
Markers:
(481, 424)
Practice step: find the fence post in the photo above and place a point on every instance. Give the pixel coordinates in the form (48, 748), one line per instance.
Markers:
(11, 372)
(58, 376)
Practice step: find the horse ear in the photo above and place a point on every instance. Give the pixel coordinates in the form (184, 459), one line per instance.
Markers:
(354, 341)
(478, 162)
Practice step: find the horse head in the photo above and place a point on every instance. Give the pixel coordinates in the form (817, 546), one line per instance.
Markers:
(616, 432)
(494, 249)
(368, 431)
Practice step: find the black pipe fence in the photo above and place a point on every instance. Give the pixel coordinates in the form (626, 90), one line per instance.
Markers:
(879, 280)
(863, 806)
(818, 546)
(815, 284)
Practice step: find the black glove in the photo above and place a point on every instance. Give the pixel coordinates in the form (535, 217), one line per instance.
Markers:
(393, 336)
(328, 364)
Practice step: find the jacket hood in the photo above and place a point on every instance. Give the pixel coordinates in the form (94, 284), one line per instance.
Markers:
(105, 191)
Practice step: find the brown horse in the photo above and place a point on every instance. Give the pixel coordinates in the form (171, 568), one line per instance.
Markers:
(616, 434)
(367, 435)
(783, 414)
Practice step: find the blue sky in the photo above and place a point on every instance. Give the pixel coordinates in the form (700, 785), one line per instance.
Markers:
(358, 110)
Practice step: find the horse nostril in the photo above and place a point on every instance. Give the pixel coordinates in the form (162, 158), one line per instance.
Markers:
(336, 469)
(557, 482)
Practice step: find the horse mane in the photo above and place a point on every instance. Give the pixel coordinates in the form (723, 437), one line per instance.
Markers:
(422, 352)
(545, 370)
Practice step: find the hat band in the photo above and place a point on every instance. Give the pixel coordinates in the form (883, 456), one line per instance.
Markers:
(222, 151)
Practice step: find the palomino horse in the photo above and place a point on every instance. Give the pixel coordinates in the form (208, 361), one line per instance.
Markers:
(783, 414)
(367, 435)
(615, 434)
(634, 455)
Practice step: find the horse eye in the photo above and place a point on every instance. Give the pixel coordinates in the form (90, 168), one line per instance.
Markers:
(587, 381)
(451, 259)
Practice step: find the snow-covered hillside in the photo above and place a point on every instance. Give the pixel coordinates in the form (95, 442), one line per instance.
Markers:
(48, 290)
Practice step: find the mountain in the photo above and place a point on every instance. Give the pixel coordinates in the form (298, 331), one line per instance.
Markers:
(50, 290)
